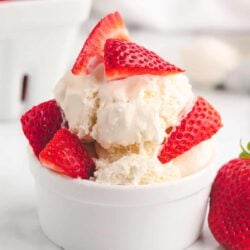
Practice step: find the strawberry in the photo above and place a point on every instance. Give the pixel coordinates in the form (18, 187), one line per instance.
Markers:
(111, 26)
(200, 124)
(66, 155)
(229, 214)
(40, 124)
(123, 58)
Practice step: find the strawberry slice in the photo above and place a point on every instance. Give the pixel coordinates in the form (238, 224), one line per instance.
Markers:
(66, 155)
(111, 26)
(40, 123)
(123, 58)
(200, 124)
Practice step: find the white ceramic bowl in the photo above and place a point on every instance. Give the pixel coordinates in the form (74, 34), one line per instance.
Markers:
(80, 214)
(35, 40)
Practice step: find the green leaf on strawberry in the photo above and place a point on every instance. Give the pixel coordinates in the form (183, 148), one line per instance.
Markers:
(245, 151)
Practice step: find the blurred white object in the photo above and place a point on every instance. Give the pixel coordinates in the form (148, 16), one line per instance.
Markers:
(35, 38)
(180, 15)
(209, 60)
(239, 79)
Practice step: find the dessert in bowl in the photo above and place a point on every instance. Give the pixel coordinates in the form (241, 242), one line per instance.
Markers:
(124, 155)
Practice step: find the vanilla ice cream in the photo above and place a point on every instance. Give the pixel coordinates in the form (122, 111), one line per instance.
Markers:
(123, 112)
(128, 120)
(135, 169)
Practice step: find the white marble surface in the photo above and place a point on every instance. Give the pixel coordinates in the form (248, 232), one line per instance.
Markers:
(19, 226)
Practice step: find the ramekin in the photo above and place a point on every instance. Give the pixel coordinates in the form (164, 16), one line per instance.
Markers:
(36, 39)
(83, 215)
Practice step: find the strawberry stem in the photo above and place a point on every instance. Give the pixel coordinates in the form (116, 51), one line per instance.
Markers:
(245, 154)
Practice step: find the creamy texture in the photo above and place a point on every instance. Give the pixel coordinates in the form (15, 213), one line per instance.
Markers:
(196, 158)
(144, 169)
(127, 121)
(135, 169)
(140, 108)
(123, 112)
(77, 96)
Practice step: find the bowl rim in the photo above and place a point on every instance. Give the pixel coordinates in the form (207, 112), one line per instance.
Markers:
(90, 192)
(209, 167)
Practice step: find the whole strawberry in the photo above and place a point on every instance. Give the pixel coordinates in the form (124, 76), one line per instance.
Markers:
(40, 124)
(229, 215)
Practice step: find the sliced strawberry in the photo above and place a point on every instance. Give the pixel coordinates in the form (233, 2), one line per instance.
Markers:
(123, 58)
(200, 124)
(40, 124)
(111, 26)
(66, 155)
